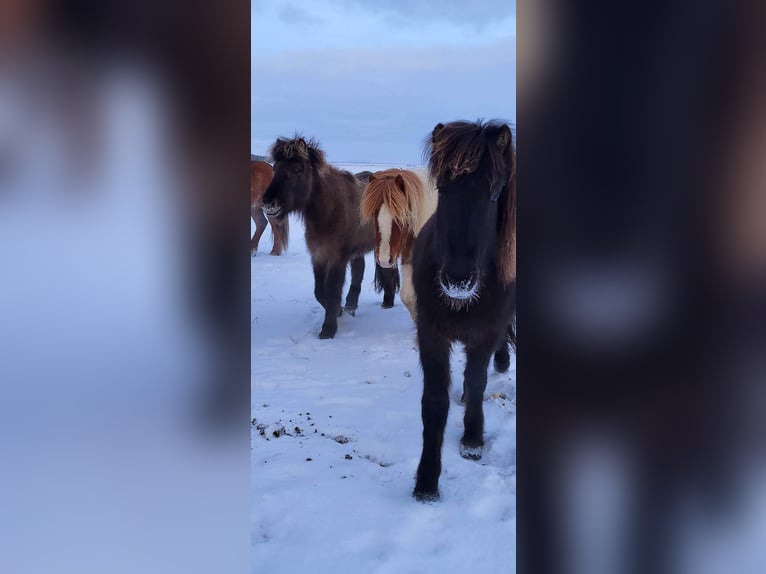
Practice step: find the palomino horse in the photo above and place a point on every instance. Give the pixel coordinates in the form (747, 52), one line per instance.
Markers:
(400, 202)
(328, 199)
(464, 272)
(261, 174)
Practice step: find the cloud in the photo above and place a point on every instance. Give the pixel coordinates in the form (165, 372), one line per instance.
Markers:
(476, 13)
(291, 13)
(378, 104)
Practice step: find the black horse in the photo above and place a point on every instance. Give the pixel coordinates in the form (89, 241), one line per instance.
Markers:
(464, 272)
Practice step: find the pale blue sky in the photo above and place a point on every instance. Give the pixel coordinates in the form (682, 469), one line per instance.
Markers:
(369, 79)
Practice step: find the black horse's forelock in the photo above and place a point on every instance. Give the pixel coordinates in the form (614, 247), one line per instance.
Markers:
(457, 148)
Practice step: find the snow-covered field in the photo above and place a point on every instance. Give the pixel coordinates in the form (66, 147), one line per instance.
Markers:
(336, 438)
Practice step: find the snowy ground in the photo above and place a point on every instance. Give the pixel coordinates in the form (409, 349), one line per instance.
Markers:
(336, 438)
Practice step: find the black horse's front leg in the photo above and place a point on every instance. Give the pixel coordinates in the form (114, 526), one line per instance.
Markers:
(474, 385)
(333, 290)
(434, 358)
(502, 356)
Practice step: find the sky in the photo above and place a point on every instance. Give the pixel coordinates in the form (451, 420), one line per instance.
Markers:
(369, 79)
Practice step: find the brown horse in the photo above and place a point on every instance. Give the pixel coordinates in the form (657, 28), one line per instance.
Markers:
(261, 174)
(328, 199)
(399, 201)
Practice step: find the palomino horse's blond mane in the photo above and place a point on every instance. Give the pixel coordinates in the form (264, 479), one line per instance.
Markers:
(409, 197)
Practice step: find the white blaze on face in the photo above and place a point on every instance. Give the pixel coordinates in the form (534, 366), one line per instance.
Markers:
(385, 223)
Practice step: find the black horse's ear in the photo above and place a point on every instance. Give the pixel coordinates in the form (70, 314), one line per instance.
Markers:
(439, 127)
(370, 177)
(504, 137)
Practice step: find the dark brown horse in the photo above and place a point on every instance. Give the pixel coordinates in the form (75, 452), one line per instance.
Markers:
(328, 199)
(363, 176)
(261, 174)
(464, 272)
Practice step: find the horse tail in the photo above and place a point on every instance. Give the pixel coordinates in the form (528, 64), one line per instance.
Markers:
(512, 333)
(382, 276)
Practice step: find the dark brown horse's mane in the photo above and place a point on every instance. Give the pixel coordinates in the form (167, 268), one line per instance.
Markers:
(458, 148)
(299, 148)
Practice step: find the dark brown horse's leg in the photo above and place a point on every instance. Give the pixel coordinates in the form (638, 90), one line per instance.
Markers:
(474, 385)
(320, 276)
(357, 274)
(260, 227)
(333, 291)
(434, 357)
(276, 233)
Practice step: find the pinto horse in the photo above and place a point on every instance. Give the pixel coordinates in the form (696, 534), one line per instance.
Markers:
(399, 202)
(261, 174)
(464, 272)
(328, 199)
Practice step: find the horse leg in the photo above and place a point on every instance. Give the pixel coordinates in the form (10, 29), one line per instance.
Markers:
(434, 358)
(474, 385)
(407, 294)
(333, 291)
(388, 280)
(320, 276)
(357, 274)
(276, 231)
(503, 355)
(260, 227)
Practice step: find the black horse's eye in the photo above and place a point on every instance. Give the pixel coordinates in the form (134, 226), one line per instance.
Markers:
(297, 170)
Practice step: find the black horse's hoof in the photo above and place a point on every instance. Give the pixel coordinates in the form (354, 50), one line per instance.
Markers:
(350, 310)
(470, 452)
(423, 495)
(387, 305)
(328, 332)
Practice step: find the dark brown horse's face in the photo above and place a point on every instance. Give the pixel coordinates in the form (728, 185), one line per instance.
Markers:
(466, 229)
(290, 188)
(390, 238)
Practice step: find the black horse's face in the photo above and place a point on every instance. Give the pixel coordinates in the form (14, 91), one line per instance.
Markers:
(466, 228)
(473, 167)
(289, 189)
